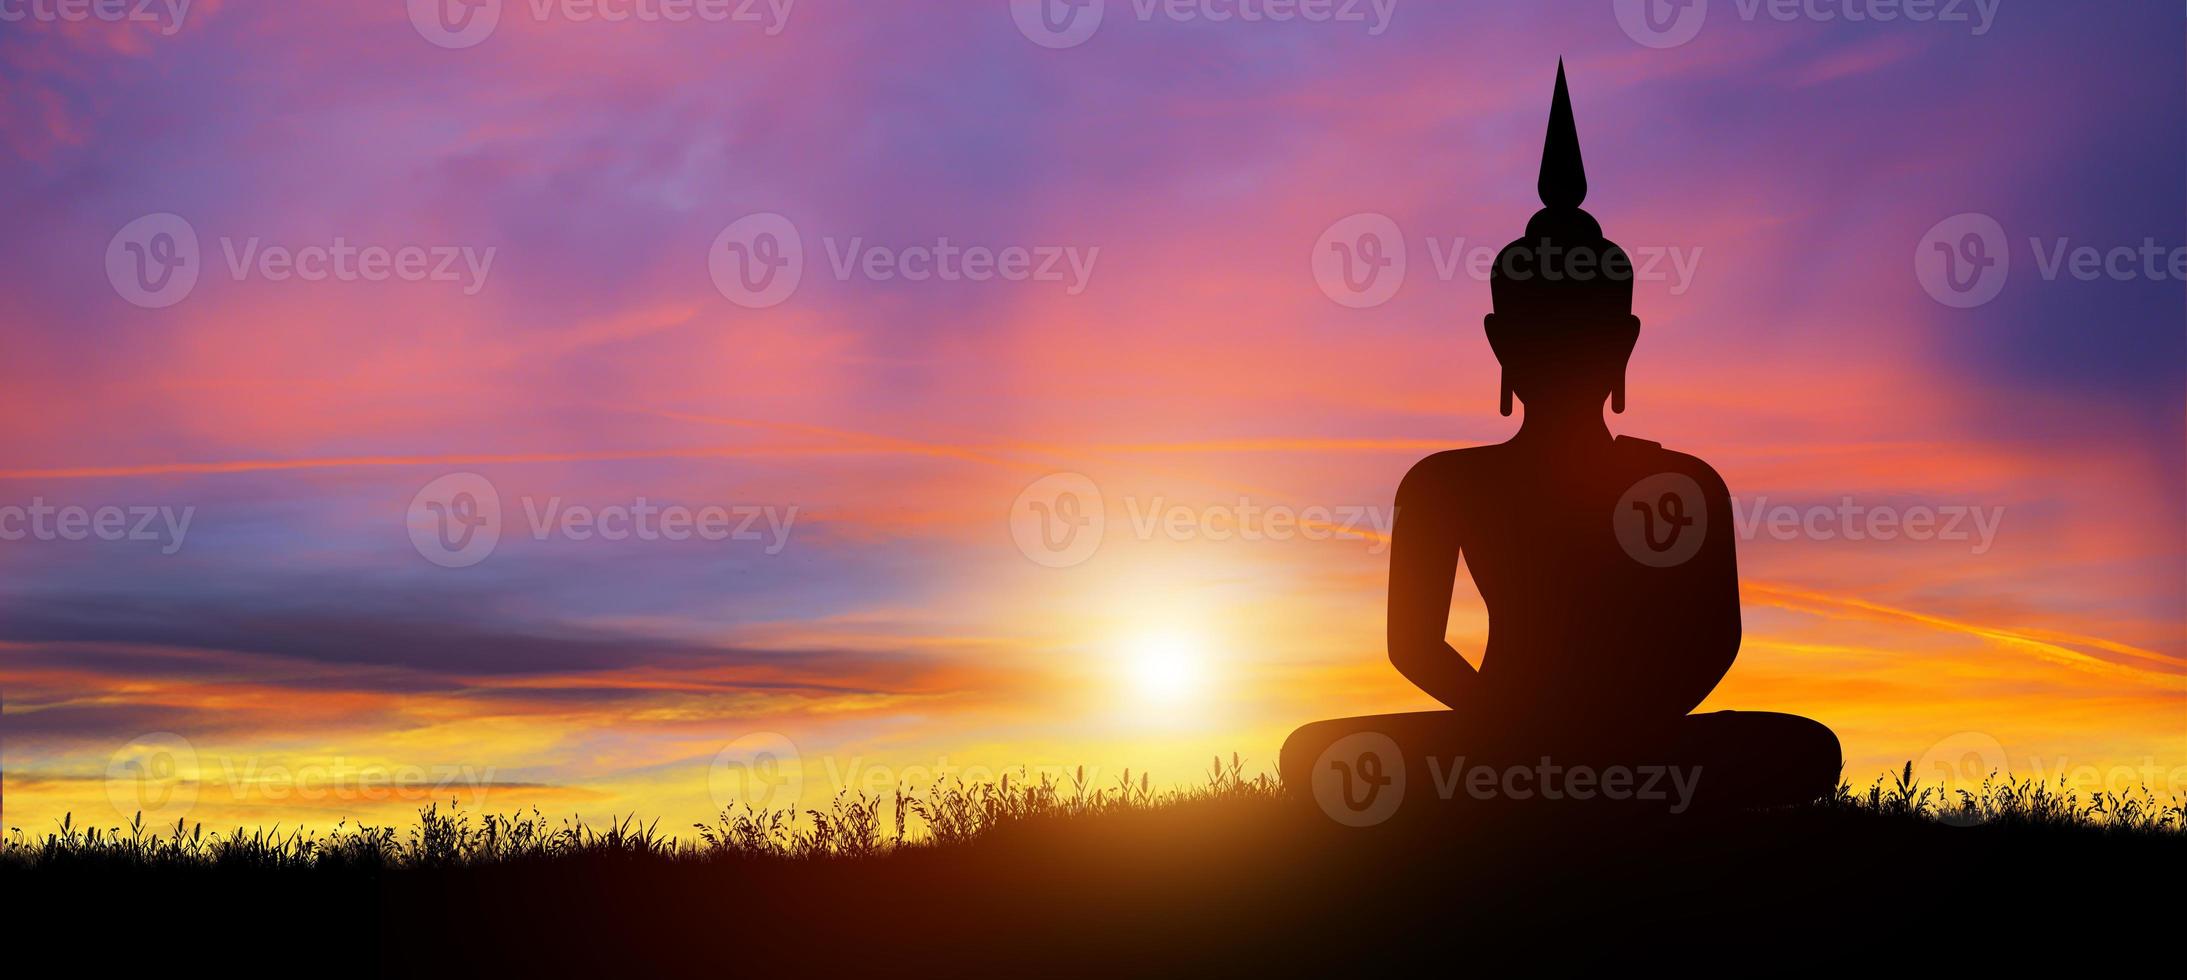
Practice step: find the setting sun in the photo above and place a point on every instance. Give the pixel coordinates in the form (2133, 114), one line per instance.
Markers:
(1167, 668)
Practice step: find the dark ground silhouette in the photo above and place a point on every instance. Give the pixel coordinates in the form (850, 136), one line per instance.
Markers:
(1222, 887)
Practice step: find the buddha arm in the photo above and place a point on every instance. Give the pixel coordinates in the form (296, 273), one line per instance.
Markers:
(1424, 544)
(1716, 630)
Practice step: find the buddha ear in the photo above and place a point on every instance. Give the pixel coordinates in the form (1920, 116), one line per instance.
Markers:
(1495, 329)
(1631, 336)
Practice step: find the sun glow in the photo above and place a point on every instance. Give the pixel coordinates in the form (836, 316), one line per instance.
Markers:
(1167, 668)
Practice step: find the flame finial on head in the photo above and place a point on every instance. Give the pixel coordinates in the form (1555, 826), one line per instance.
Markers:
(1562, 267)
(1563, 182)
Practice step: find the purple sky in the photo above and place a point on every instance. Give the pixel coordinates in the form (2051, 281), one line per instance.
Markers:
(1799, 163)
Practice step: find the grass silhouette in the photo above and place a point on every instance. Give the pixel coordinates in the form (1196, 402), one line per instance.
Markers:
(947, 813)
(1058, 877)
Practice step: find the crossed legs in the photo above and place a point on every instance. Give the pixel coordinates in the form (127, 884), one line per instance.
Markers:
(1733, 759)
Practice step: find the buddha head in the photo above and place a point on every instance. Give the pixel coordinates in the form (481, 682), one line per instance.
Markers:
(1563, 328)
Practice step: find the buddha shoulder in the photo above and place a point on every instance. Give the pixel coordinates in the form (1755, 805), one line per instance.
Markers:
(1650, 457)
(1438, 476)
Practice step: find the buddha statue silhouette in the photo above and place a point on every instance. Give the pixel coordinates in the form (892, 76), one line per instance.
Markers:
(1606, 563)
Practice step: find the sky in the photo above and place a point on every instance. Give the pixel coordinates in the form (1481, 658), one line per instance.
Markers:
(741, 401)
